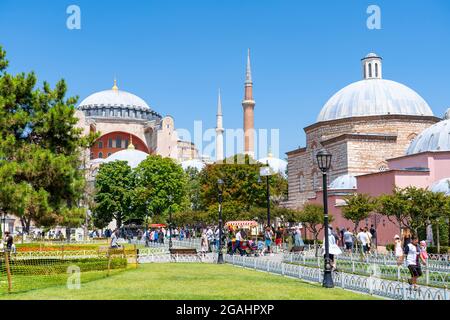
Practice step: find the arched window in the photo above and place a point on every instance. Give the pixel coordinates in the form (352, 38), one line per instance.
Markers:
(376, 70)
(118, 142)
(110, 143)
(109, 153)
(100, 144)
(370, 70)
(100, 155)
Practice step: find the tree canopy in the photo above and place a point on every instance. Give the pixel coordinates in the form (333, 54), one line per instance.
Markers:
(40, 151)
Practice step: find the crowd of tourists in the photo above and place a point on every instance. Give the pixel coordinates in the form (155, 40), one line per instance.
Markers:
(408, 251)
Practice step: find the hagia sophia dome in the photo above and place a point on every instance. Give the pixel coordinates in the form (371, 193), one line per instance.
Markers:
(119, 103)
(434, 138)
(374, 96)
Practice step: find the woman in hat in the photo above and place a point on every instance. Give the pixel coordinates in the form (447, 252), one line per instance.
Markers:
(398, 250)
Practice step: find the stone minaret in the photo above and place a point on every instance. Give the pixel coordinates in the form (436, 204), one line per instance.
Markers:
(249, 104)
(219, 131)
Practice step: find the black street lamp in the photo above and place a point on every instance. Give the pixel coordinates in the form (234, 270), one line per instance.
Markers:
(170, 197)
(266, 171)
(220, 255)
(324, 163)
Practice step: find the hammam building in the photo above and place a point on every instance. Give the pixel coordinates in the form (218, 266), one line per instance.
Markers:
(362, 125)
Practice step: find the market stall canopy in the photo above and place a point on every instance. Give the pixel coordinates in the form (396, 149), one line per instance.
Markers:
(242, 224)
(157, 225)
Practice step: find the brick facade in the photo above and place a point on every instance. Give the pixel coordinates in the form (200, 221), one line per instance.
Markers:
(359, 145)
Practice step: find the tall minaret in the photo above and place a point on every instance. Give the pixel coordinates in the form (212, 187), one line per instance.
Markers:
(219, 131)
(249, 104)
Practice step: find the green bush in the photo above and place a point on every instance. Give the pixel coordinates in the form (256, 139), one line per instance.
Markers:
(444, 249)
(309, 241)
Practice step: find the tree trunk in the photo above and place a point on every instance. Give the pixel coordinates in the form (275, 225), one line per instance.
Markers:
(316, 247)
(438, 240)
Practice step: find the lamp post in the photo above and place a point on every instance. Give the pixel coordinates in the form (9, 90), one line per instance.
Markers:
(220, 255)
(170, 198)
(266, 172)
(324, 163)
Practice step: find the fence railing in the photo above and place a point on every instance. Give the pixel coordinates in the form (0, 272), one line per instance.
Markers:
(389, 271)
(39, 269)
(364, 284)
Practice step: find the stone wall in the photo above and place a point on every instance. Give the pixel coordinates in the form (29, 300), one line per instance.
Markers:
(359, 146)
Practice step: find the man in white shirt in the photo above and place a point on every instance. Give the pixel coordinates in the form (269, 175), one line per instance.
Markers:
(412, 252)
(114, 238)
(210, 236)
(237, 243)
(364, 240)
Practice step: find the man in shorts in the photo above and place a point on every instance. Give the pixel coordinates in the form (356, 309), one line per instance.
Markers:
(412, 252)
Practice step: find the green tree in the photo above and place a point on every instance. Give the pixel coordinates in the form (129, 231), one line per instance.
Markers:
(312, 217)
(165, 184)
(243, 191)
(40, 151)
(358, 207)
(114, 185)
(395, 207)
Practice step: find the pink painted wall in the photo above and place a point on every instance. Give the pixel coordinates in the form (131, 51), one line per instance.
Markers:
(376, 184)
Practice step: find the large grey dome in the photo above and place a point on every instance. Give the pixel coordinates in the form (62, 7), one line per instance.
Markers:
(374, 96)
(434, 138)
(114, 98)
(116, 103)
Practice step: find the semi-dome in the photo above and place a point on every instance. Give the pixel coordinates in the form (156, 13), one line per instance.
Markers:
(344, 182)
(193, 163)
(434, 138)
(132, 156)
(442, 185)
(275, 164)
(374, 96)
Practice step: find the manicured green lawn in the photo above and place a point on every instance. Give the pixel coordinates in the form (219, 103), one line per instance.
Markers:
(191, 281)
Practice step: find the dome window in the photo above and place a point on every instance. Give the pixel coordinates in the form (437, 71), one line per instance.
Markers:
(100, 155)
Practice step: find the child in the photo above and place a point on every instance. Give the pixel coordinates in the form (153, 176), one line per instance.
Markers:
(423, 252)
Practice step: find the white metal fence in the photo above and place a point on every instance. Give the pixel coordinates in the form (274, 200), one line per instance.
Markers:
(365, 284)
(381, 268)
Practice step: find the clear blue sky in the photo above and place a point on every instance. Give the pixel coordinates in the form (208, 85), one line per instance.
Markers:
(176, 54)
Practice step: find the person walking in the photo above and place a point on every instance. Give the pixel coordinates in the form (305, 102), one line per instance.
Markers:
(369, 239)
(333, 248)
(373, 232)
(9, 241)
(114, 239)
(364, 240)
(268, 234)
(348, 240)
(298, 241)
(398, 250)
(279, 238)
(237, 243)
(412, 252)
(204, 243)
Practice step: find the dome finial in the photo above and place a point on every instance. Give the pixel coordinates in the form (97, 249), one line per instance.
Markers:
(131, 145)
(115, 87)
